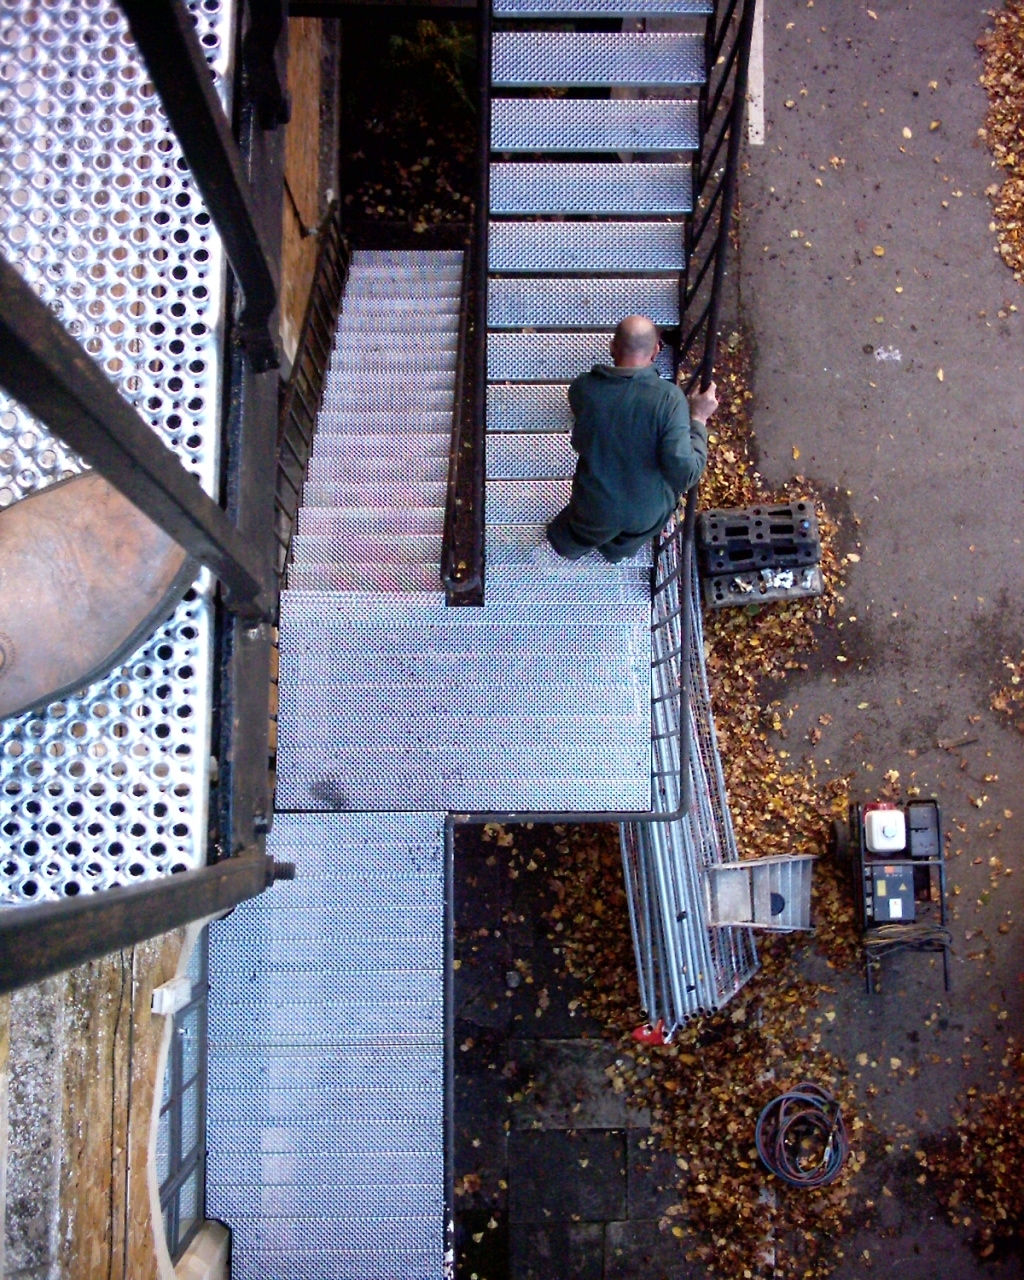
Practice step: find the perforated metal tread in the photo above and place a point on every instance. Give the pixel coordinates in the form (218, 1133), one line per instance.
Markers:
(586, 246)
(382, 469)
(388, 550)
(512, 407)
(525, 501)
(348, 622)
(358, 445)
(365, 577)
(528, 666)
(397, 418)
(340, 787)
(598, 8)
(550, 357)
(410, 494)
(518, 187)
(529, 456)
(516, 546)
(530, 59)
(589, 124)
(390, 258)
(573, 303)
(363, 522)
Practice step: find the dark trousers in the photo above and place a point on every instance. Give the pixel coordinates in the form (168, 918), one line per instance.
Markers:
(572, 543)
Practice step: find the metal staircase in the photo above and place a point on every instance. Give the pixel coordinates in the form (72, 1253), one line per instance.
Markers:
(328, 1148)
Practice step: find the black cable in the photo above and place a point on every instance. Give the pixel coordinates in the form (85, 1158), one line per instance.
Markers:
(806, 1114)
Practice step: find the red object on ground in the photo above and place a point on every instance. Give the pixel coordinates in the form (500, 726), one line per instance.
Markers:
(651, 1035)
(879, 804)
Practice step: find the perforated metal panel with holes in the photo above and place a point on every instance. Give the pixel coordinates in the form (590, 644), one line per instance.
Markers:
(585, 246)
(592, 124)
(519, 187)
(535, 58)
(99, 213)
(550, 357)
(587, 303)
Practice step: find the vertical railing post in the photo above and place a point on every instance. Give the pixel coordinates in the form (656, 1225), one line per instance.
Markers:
(482, 228)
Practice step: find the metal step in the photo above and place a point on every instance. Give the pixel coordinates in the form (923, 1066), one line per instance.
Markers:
(368, 523)
(353, 623)
(387, 551)
(365, 577)
(551, 357)
(400, 420)
(529, 456)
(397, 309)
(528, 408)
(556, 303)
(515, 546)
(430, 493)
(372, 341)
(396, 713)
(377, 470)
(526, 501)
(586, 246)
(518, 187)
(372, 396)
(404, 257)
(399, 288)
(404, 360)
(599, 8)
(259, 1199)
(533, 59)
(593, 124)
(506, 582)
(414, 671)
(365, 445)
(366, 320)
(333, 785)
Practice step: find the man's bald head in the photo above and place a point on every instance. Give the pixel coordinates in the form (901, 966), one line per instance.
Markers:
(635, 343)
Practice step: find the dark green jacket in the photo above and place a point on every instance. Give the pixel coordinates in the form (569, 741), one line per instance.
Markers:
(638, 451)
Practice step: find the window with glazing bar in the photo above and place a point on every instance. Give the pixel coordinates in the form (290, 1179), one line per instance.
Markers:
(181, 1137)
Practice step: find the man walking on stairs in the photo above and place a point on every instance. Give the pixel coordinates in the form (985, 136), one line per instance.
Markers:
(640, 446)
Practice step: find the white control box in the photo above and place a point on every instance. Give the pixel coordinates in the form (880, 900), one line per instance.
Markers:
(885, 830)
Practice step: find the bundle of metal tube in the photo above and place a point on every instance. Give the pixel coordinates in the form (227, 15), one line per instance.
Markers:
(684, 965)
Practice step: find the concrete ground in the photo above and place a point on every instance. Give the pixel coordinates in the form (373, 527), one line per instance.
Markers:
(929, 446)
(895, 375)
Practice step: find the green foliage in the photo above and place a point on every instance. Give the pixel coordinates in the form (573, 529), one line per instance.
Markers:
(437, 61)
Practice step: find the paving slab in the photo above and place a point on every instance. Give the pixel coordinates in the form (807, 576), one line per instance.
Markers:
(569, 1250)
(562, 1175)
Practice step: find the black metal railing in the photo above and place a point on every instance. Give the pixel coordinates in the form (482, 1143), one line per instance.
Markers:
(306, 385)
(42, 366)
(464, 546)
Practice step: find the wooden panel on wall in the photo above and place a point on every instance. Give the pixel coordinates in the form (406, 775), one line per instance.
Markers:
(302, 175)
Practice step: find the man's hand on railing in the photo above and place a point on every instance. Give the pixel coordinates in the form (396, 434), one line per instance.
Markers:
(703, 404)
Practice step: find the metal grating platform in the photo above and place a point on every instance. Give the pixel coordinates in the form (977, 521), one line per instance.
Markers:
(109, 786)
(529, 59)
(589, 124)
(518, 187)
(550, 357)
(574, 303)
(326, 1059)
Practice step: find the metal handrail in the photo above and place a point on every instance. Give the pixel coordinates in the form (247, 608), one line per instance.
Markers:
(305, 386)
(463, 549)
(461, 570)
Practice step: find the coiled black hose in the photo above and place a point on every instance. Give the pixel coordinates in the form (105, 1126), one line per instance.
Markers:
(804, 1117)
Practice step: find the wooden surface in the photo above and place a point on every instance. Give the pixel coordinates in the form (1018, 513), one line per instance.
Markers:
(83, 1058)
(302, 173)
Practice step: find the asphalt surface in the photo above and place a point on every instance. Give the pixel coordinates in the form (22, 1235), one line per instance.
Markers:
(896, 376)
